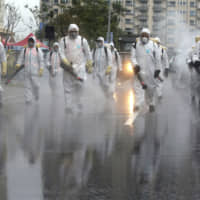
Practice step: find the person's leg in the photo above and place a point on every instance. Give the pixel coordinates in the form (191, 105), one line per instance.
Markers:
(28, 90)
(150, 98)
(67, 84)
(36, 88)
(77, 96)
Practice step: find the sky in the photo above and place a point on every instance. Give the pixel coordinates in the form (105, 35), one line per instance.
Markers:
(22, 30)
(21, 3)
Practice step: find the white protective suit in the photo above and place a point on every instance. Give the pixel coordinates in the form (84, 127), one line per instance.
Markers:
(33, 60)
(116, 65)
(77, 52)
(164, 65)
(2, 59)
(53, 62)
(102, 58)
(147, 57)
(195, 76)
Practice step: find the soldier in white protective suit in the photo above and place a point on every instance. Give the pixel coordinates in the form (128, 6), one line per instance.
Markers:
(3, 69)
(194, 57)
(53, 62)
(116, 65)
(145, 58)
(33, 61)
(102, 59)
(75, 53)
(164, 66)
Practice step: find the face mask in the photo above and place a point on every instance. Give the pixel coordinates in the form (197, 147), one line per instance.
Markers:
(73, 34)
(56, 49)
(145, 40)
(99, 44)
(31, 44)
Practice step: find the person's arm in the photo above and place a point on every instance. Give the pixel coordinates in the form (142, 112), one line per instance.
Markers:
(48, 60)
(62, 49)
(133, 57)
(119, 62)
(157, 58)
(41, 59)
(2, 54)
(166, 59)
(62, 46)
(3, 59)
(87, 50)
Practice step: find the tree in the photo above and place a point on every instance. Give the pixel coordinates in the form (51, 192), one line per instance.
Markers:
(12, 20)
(90, 15)
(92, 18)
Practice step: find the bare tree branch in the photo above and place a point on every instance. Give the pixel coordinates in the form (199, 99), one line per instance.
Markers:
(13, 19)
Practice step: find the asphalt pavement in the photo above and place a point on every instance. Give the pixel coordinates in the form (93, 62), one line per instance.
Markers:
(46, 154)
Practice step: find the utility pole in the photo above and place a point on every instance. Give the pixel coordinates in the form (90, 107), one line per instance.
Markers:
(109, 21)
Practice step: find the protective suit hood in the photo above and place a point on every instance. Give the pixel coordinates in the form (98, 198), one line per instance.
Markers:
(145, 30)
(33, 38)
(73, 27)
(55, 44)
(112, 44)
(100, 39)
(157, 39)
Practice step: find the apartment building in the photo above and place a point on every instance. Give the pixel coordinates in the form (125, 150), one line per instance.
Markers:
(181, 14)
(144, 13)
(198, 14)
(53, 4)
(160, 16)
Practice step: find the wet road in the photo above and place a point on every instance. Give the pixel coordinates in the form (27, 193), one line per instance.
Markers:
(48, 155)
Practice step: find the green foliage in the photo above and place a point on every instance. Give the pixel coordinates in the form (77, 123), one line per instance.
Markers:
(92, 18)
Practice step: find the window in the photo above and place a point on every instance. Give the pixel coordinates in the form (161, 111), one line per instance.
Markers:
(171, 13)
(170, 30)
(64, 1)
(128, 3)
(56, 1)
(170, 22)
(170, 40)
(128, 12)
(192, 13)
(182, 3)
(192, 4)
(56, 11)
(128, 29)
(128, 21)
(172, 3)
(192, 22)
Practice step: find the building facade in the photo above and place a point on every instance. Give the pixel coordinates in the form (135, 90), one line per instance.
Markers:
(53, 4)
(182, 16)
(162, 17)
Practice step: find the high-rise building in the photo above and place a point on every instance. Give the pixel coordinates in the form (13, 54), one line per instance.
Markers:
(198, 14)
(181, 14)
(53, 4)
(144, 13)
(161, 16)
